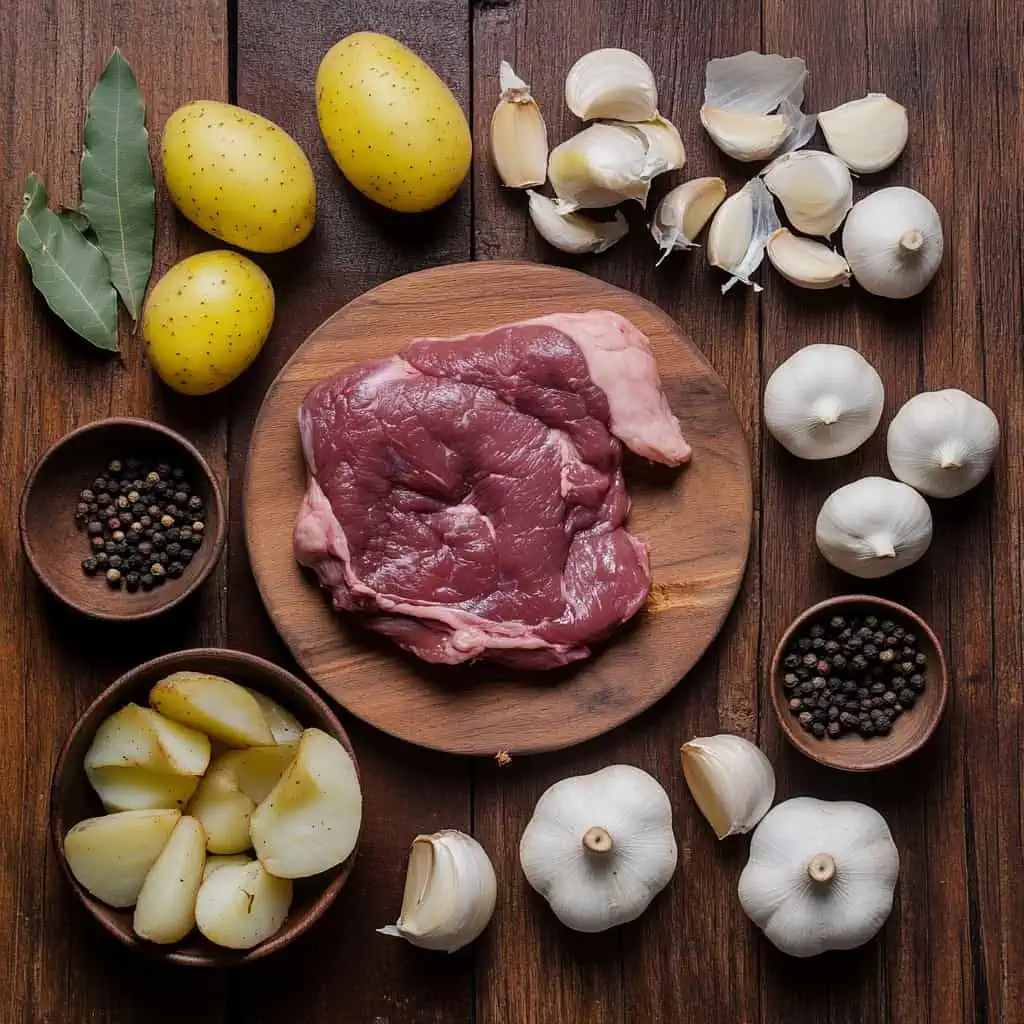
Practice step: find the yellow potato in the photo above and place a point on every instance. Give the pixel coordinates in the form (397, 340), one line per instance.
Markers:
(140, 737)
(215, 862)
(216, 706)
(111, 855)
(135, 789)
(238, 176)
(206, 319)
(166, 908)
(284, 726)
(392, 126)
(241, 905)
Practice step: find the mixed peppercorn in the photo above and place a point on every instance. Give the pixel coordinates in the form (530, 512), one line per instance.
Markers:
(853, 676)
(144, 522)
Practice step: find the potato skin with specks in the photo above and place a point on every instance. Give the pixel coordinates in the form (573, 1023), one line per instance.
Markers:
(206, 319)
(393, 127)
(238, 176)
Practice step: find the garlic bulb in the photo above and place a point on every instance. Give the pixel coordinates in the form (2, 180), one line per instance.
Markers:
(665, 150)
(600, 847)
(739, 94)
(943, 443)
(806, 263)
(450, 892)
(611, 83)
(821, 875)
(572, 232)
(824, 401)
(893, 242)
(873, 527)
(683, 212)
(815, 189)
(601, 166)
(519, 137)
(867, 134)
(740, 228)
(731, 781)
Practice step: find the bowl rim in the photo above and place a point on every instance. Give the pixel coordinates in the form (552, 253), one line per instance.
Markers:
(205, 569)
(783, 714)
(170, 954)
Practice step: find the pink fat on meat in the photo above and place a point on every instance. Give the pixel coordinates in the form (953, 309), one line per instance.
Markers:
(466, 496)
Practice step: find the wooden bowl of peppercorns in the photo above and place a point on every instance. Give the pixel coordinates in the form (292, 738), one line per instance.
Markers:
(859, 683)
(122, 519)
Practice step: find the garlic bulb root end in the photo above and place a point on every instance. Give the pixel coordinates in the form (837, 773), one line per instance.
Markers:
(821, 868)
(597, 840)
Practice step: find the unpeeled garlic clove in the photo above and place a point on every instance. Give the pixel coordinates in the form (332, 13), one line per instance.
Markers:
(807, 263)
(731, 780)
(665, 150)
(600, 167)
(740, 228)
(815, 189)
(745, 137)
(684, 211)
(572, 232)
(611, 83)
(519, 137)
(866, 134)
(450, 892)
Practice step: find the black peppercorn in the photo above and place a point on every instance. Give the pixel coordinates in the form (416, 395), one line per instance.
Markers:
(789, 680)
(159, 540)
(102, 559)
(916, 683)
(195, 503)
(817, 644)
(818, 728)
(180, 497)
(110, 547)
(920, 658)
(89, 566)
(889, 697)
(870, 652)
(175, 570)
(147, 581)
(116, 562)
(186, 556)
(94, 529)
(907, 698)
(803, 643)
(131, 581)
(791, 661)
(877, 689)
(177, 473)
(804, 718)
(838, 661)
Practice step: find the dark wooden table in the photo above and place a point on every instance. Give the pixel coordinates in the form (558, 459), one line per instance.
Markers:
(953, 949)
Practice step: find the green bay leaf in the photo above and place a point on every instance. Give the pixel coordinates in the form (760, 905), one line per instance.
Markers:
(118, 195)
(69, 271)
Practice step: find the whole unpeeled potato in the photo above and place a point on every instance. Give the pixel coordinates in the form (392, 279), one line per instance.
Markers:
(393, 127)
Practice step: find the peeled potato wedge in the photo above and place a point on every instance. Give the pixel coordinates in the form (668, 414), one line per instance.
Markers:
(139, 737)
(111, 855)
(255, 770)
(310, 820)
(284, 726)
(165, 911)
(216, 706)
(136, 789)
(241, 905)
(215, 863)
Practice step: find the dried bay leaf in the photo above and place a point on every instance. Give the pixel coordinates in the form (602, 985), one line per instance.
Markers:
(118, 194)
(69, 271)
(77, 220)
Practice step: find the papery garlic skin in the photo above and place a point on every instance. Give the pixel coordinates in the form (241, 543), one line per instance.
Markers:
(731, 780)
(815, 189)
(823, 402)
(821, 875)
(572, 232)
(873, 527)
(683, 212)
(600, 167)
(600, 847)
(519, 138)
(739, 231)
(943, 443)
(806, 263)
(893, 242)
(868, 134)
(450, 892)
(612, 83)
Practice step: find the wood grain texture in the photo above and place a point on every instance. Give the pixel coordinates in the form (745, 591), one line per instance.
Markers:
(695, 522)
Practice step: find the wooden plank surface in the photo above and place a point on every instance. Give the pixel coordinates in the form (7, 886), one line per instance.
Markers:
(953, 948)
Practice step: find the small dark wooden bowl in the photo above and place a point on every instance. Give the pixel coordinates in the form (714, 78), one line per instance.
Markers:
(852, 752)
(55, 546)
(72, 798)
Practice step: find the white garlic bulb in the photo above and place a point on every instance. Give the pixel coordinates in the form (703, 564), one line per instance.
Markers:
(823, 402)
(601, 166)
(611, 83)
(873, 527)
(450, 892)
(866, 134)
(731, 780)
(572, 232)
(739, 232)
(815, 189)
(893, 242)
(806, 263)
(683, 212)
(821, 875)
(600, 847)
(943, 443)
(519, 138)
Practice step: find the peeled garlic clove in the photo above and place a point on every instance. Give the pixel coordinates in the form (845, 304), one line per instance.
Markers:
(450, 892)
(519, 138)
(684, 211)
(665, 150)
(740, 228)
(600, 167)
(611, 83)
(731, 780)
(815, 189)
(867, 134)
(807, 263)
(745, 137)
(572, 232)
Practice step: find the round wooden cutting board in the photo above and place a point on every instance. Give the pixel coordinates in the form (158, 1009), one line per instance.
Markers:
(696, 522)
